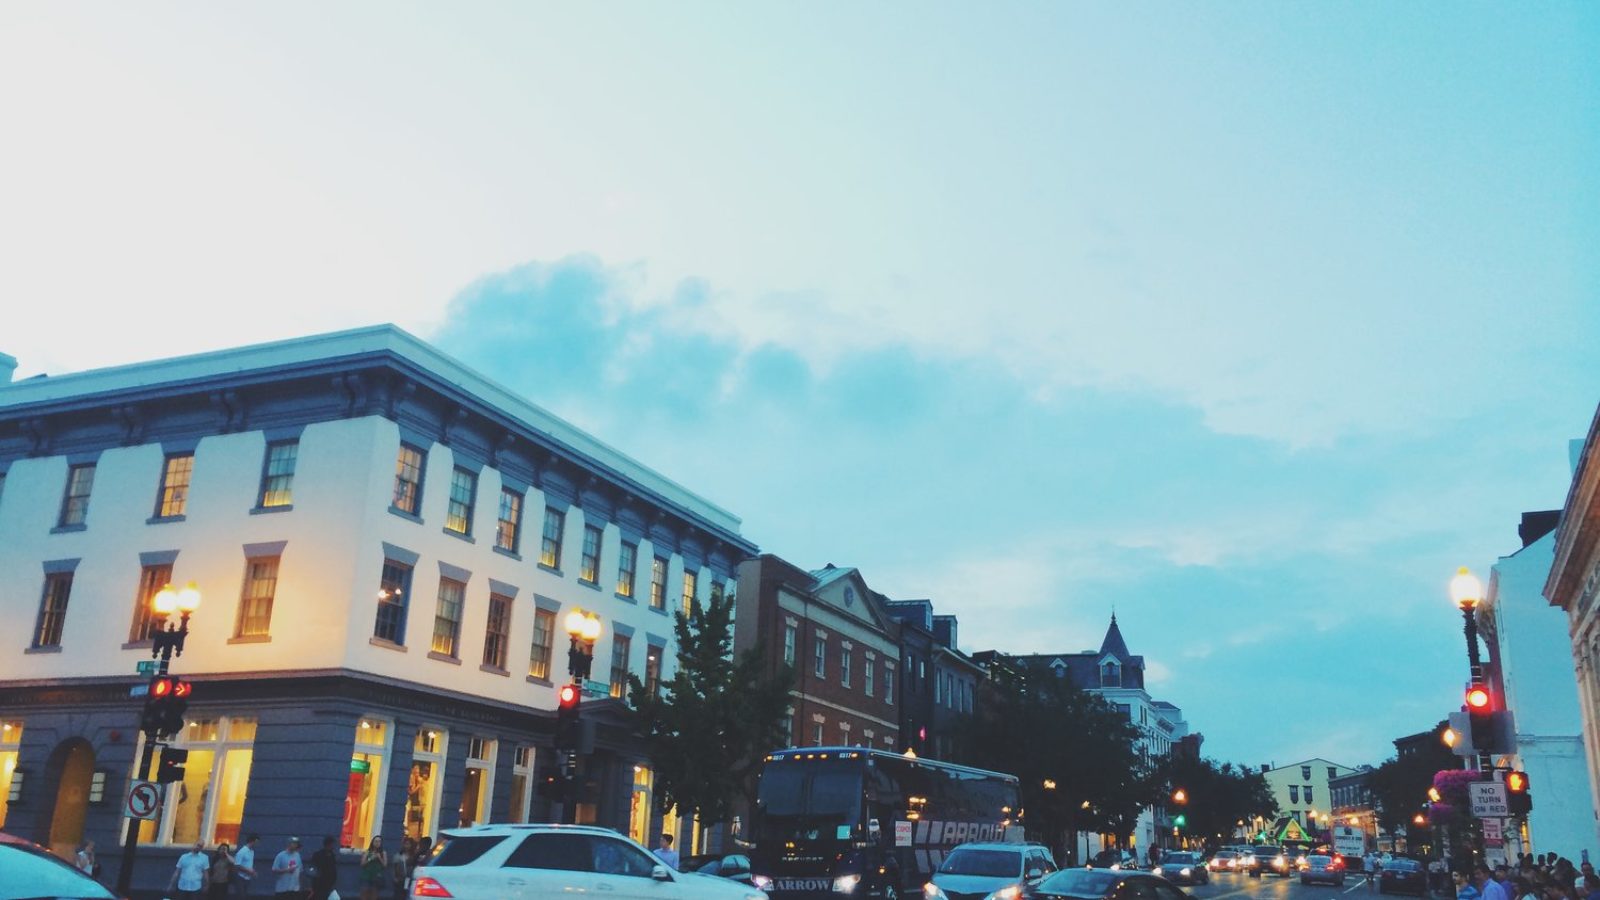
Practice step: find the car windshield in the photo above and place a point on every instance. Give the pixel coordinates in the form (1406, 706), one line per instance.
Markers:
(809, 801)
(25, 872)
(1180, 859)
(1267, 851)
(1079, 883)
(1225, 854)
(987, 863)
(1402, 865)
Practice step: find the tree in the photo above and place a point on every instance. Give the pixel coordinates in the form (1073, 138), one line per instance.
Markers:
(713, 721)
(1217, 796)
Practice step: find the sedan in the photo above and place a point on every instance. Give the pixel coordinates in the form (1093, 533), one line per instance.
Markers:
(1224, 861)
(1402, 876)
(1103, 884)
(1183, 868)
(1329, 869)
(29, 870)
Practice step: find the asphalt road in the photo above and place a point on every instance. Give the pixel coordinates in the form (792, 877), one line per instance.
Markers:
(1241, 887)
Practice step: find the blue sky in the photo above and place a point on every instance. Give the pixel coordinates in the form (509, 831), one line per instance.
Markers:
(1251, 321)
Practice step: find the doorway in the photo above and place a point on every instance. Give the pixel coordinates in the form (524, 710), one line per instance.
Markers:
(74, 759)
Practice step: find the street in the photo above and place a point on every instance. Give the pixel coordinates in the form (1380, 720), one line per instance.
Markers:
(1239, 886)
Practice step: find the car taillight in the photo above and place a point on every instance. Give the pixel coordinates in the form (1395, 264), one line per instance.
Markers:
(427, 887)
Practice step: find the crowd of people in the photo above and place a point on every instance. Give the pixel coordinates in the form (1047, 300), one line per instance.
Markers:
(1548, 877)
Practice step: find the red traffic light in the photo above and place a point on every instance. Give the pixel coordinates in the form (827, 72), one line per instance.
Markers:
(568, 696)
(1517, 782)
(1478, 697)
(160, 687)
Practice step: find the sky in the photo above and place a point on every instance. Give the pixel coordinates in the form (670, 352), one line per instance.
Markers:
(1247, 321)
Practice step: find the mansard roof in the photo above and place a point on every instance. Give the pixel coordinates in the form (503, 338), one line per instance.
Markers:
(1114, 645)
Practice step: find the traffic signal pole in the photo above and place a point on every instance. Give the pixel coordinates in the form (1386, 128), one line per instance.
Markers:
(163, 643)
(1475, 669)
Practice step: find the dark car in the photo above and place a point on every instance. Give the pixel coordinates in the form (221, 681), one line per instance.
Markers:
(1267, 860)
(1103, 884)
(1322, 867)
(29, 870)
(732, 866)
(1113, 858)
(1402, 876)
(1183, 867)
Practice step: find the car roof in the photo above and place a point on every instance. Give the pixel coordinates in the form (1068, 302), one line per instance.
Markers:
(999, 845)
(504, 829)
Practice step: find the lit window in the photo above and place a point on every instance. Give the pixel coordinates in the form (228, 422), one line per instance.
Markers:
(394, 591)
(255, 603)
(173, 497)
(53, 609)
(408, 480)
(447, 616)
(627, 561)
(544, 631)
(463, 494)
(208, 804)
(658, 583)
(652, 670)
(75, 500)
(145, 622)
(550, 550)
(277, 474)
(10, 751)
(478, 784)
(589, 568)
(690, 591)
(621, 645)
(363, 801)
(508, 530)
(425, 783)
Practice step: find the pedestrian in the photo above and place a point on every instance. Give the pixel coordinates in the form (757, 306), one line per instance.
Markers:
(1591, 887)
(665, 853)
(85, 860)
(324, 869)
(400, 868)
(244, 867)
(420, 857)
(286, 866)
(221, 872)
(189, 874)
(1465, 889)
(373, 862)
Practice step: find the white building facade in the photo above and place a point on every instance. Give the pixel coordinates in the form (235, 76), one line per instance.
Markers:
(386, 544)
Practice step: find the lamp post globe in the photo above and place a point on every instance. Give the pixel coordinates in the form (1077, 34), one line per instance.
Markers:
(1465, 588)
(574, 623)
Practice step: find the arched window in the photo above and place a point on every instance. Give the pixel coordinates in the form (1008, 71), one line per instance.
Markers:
(1110, 674)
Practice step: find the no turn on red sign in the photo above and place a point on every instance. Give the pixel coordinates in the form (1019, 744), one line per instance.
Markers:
(144, 800)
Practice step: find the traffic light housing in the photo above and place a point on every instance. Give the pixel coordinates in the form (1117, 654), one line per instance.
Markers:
(170, 768)
(164, 706)
(569, 731)
(554, 784)
(1480, 713)
(1518, 798)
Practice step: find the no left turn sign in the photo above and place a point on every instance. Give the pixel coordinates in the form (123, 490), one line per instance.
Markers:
(144, 800)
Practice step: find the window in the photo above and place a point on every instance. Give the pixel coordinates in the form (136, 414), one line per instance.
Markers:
(52, 609)
(867, 671)
(497, 632)
(788, 728)
(173, 497)
(145, 622)
(447, 616)
(522, 784)
(844, 665)
(508, 529)
(691, 599)
(627, 561)
(544, 635)
(463, 494)
(1110, 675)
(550, 550)
(208, 804)
(1294, 793)
(1333, 772)
(408, 480)
(10, 750)
(75, 501)
(938, 686)
(790, 632)
(1307, 792)
(277, 474)
(888, 684)
(425, 783)
(255, 601)
(652, 670)
(621, 644)
(816, 733)
(1305, 773)
(819, 661)
(589, 568)
(479, 782)
(363, 801)
(394, 589)
(658, 583)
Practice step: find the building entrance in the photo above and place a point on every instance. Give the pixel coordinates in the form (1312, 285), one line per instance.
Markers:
(74, 761)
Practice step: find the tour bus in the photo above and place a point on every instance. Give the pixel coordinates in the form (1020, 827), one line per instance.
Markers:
(833, 821)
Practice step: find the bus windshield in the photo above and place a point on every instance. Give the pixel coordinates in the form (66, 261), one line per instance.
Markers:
(810, 801)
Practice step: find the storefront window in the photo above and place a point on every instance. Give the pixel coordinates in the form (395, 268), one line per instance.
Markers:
(639, 810)
(479, 782)
(363, 799)
(424, 784)
(208, 804)
(10, 744)
(522, 784)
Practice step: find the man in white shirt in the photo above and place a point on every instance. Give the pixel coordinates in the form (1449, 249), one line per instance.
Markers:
(244, 867)
(189, 875)
(665, 853)
(286, 866)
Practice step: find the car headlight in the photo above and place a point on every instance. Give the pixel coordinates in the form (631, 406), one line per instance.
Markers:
(933, 892)
(1010, 892)
(1184, 872)
(755, 897)
(1156, 871)
(761, 881)
(846, 884)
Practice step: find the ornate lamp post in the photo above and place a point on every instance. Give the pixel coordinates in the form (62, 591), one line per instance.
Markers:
(1467, 591)
(165, 643)
(584, 629)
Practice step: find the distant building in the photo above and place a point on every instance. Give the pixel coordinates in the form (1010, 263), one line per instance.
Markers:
(1304, 791)
(1351, 797)
(1574, 586)
(385, 543)
(1531, 667)
(940, 681)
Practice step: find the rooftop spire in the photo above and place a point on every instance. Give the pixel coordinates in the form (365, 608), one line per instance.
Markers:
(1114, 644)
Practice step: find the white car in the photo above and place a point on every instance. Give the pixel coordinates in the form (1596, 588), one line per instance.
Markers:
(533, 862)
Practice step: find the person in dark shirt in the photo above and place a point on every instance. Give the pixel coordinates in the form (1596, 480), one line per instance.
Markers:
(324, 867)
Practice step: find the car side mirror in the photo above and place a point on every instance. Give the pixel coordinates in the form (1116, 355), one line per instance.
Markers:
(1034, 874)
(661, 873)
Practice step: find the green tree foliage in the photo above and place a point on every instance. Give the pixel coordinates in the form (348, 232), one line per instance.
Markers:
(714, 720)
(1046, 731)
(1217, 797)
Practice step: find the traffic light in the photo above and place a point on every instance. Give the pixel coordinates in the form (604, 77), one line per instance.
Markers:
(1480, 711)
(1518, 799)
(164, 706)
(553, 784)
(1181, 821)
(170, 768)
(568, 729)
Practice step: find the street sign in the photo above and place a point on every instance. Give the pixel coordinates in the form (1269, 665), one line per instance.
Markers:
(144, 800)
(596, 688)
(148, 666)
(1488, 799)
(139, 690)
(1492, 830)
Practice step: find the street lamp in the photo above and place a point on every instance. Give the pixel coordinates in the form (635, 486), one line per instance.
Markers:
(1466, 591)
(584, 629)
(165, 643)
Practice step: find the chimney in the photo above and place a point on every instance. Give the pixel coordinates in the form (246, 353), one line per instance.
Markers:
(1536, 525)
(8, 365)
